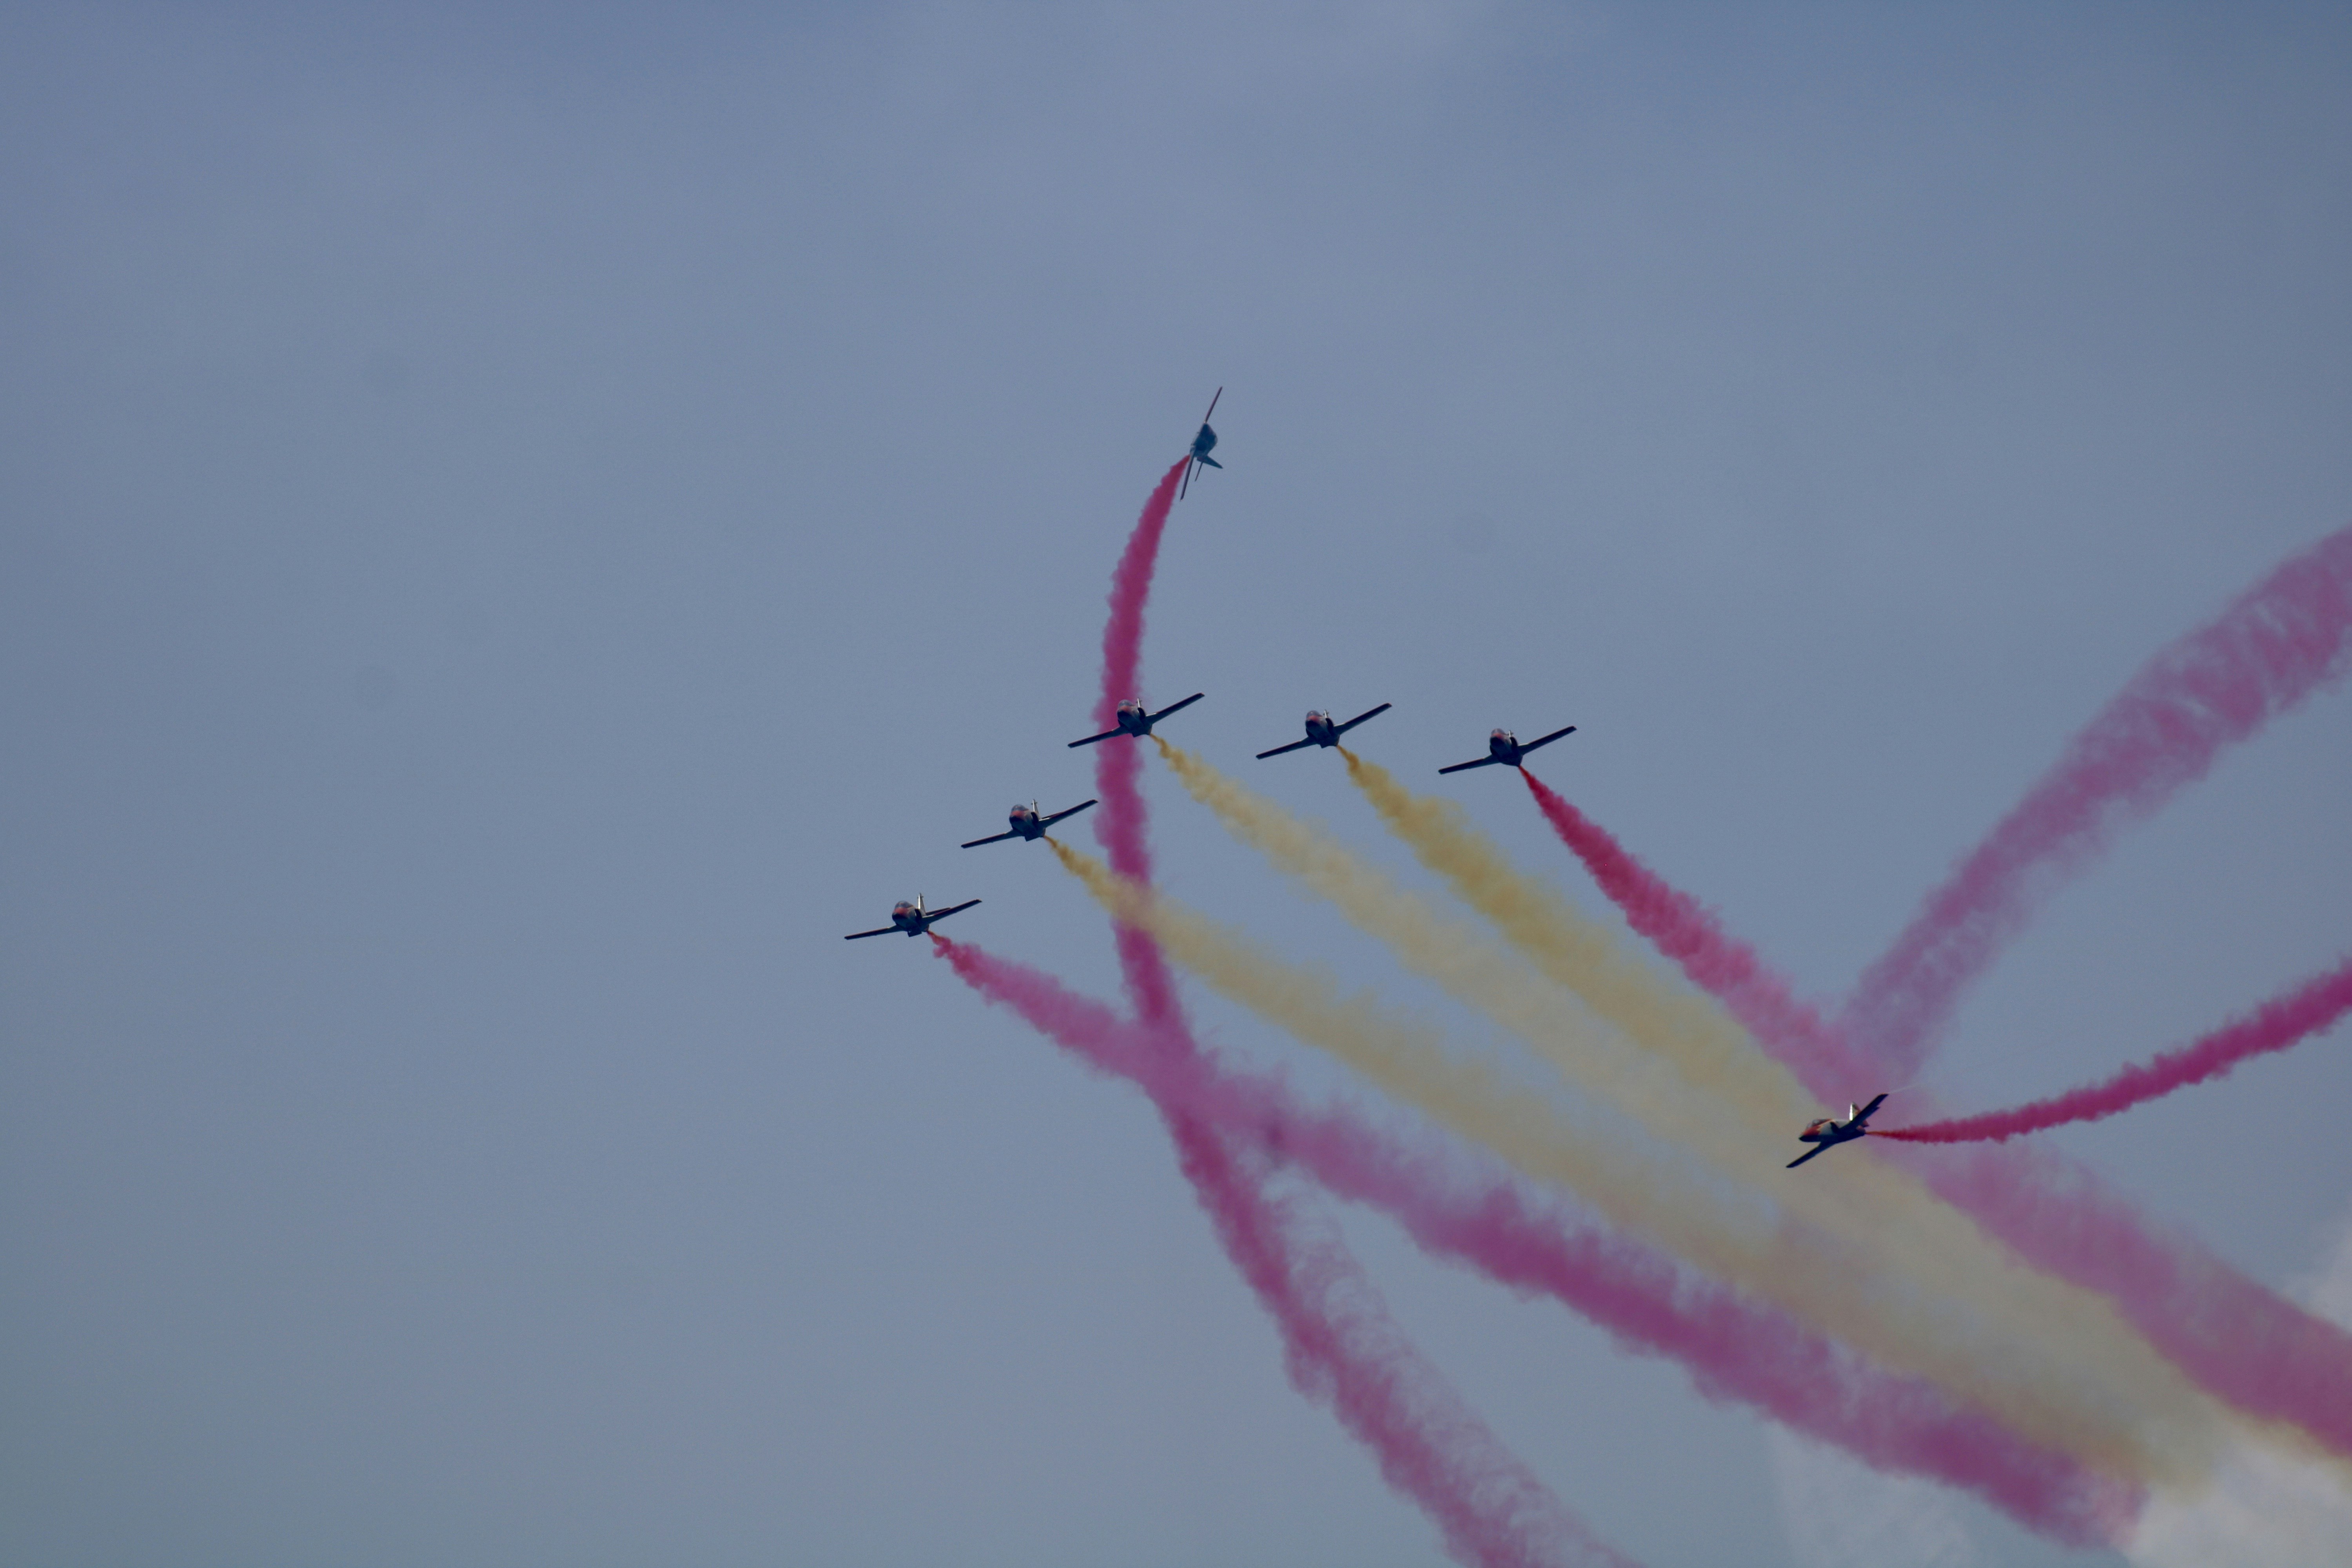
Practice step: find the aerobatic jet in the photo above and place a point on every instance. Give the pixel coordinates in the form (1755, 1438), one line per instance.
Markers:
(1828, 1133)
(1321, 732)
(912, 919)
(1028, 824)
(1504, 748)
(1201, 443)
(1134, 720)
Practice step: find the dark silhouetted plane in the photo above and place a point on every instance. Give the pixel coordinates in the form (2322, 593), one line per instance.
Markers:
(1503, 748)
(1134, 720)
(1321, 732)
(912, 919)
(1202, 444)
(1827, 1133)
(1028, 824)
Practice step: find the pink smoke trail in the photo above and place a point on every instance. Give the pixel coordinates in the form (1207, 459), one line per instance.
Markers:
(2309, 1009)
(1688, 932)
(2239, 1341)
(2280, 642)
(1339, 1344)
(1733, 1349)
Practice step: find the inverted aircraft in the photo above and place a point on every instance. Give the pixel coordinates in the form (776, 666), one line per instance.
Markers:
(1134, 720)
(1828, 1132)
(1505, 749)
(1028, 824)
(1322, 732)
(913, 919)
(1199, 452)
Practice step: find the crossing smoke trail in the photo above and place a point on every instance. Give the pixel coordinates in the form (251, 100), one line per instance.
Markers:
(1734, 1348)
(1687, 932)
(2308, 1009)
(1881, 1218)
(2242, 1343)
(2280, 642)
(2054, 1367)
(1338, 1344)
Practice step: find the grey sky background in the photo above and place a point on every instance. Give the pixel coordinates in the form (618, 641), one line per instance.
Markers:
(518, 528)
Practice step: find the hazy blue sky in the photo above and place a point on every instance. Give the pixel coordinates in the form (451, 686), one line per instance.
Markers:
(519, 526)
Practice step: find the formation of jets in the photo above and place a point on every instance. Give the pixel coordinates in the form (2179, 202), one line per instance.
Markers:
(1504, 749)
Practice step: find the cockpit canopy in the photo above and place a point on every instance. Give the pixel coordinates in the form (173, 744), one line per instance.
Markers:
(1316, 716)
(1502, 735)
(902, 908)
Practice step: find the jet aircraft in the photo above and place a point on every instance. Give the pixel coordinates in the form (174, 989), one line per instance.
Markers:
(1504, 747)
(1028, 824)
(1200, 445)
(1134, 720)
(912, 919)
(1322, 732)
(1828, 1133)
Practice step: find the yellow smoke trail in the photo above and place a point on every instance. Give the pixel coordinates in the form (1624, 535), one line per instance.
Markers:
(1706, 1047)
(2051, 1361)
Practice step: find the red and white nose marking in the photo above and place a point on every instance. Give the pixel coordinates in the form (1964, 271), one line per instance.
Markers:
(1500, 735)
(902, 908)
(1313, 717)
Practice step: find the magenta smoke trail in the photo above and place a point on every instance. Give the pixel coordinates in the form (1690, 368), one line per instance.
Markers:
(2242, 1344)
(2309, 1009)
(1687, 933)
(2283, 640)
(1338, 1342)
(1733, 1349)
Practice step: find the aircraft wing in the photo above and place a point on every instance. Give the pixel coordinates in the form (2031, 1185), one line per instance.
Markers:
(1814, 1152)
(937, 915)
(1106, 736)
(1359, 718)
(1481, 762)
(1174, 706)
(1548, 740)
(991, 838)
(853, 936)
(1292, 747)
(1049, 821)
